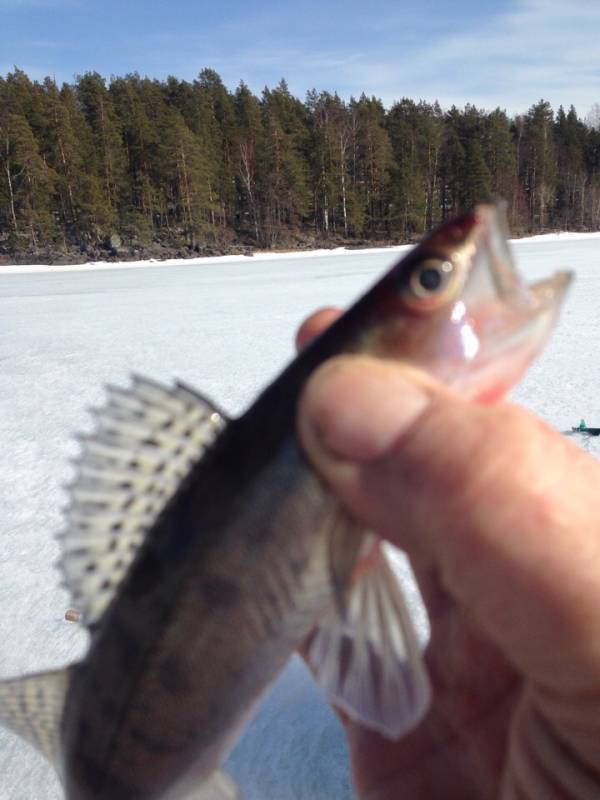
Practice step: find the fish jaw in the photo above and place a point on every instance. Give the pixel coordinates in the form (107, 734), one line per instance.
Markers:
(505, 338)
(485, 333)
(502, 322)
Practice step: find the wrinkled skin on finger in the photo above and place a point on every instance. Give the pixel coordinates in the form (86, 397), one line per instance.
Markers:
(497, 514)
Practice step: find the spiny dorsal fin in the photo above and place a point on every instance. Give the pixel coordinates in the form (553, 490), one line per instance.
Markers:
(368, 660)
(146, 440)
(33, 706)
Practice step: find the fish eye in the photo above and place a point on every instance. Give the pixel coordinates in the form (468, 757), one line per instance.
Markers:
(430, 283)
(430, 279)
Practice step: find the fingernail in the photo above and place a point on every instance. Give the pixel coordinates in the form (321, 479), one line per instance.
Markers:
(357, 408)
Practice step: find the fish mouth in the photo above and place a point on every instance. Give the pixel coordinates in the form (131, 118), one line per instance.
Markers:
(503, 322)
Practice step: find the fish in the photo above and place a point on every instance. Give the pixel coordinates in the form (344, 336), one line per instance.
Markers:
(203, 551)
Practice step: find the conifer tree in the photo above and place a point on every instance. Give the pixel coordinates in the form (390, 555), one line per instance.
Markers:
(221, 105)
(183, 154)
(108, 154)
(139, 109)
(371, 164)
(332, 148)
(416, 136)
(29, 184)
(250, 157)
(286, 129)
(476, 186)
(191, 163)
(195, 104)
(539, 163)
(571, 185)
(499, 153)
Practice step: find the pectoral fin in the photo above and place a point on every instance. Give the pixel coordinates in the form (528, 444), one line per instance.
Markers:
(368, 659)
(218, 787)
(33, 706)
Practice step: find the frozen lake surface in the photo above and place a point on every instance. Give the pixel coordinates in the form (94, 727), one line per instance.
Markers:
(225, 326)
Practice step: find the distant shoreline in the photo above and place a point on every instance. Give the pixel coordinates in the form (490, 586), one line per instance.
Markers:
(256, 255)
(113, 250)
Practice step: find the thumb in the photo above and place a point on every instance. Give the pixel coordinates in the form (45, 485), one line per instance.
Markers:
(496, 503)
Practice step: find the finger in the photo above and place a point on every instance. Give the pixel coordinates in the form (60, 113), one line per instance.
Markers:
(315, 325)
(494, 501)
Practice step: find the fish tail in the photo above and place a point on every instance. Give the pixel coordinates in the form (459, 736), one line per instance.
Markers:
(32, 707)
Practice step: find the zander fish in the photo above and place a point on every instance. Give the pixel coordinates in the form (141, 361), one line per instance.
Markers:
(203, 551)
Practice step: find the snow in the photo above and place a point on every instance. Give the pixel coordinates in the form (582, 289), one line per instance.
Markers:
(559, 236)
(103, 266)
(270, 255)
(225, 326)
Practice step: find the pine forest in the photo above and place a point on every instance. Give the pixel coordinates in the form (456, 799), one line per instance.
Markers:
(135, 167)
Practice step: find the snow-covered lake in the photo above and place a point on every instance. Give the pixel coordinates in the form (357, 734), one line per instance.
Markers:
(225, 326)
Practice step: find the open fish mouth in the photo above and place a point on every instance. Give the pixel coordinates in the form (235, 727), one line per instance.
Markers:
(462, 311)
(502, 322)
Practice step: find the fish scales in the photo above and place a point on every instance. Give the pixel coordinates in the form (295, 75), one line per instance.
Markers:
(250, 591)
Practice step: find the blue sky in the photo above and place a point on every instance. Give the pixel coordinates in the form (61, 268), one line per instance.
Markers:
(489, 53)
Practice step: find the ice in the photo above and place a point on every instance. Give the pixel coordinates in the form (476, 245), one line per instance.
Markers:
(225, 326)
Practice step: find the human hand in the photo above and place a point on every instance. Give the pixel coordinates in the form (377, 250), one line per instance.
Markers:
(498, 514)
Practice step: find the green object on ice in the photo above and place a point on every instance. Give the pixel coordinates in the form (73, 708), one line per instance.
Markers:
(583, 428)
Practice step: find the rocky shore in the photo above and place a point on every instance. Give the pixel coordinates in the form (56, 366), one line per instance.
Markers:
(114, 249)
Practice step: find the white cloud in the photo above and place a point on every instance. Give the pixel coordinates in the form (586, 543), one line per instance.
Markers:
(539, 48)
(530, 49)
(534, 49)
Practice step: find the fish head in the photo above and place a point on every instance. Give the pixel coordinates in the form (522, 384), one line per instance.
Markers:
(457, 307)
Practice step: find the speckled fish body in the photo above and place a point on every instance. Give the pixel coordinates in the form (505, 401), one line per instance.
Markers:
(228, 584)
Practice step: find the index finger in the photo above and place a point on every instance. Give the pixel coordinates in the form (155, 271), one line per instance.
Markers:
(314, 325)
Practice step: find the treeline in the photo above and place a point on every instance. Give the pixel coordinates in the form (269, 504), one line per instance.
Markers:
(138, 161)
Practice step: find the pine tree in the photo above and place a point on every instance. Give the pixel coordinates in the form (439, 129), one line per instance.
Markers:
(331, 163)
(571, 187)
(592, 167)
(452, 169)
(29, 184)
(499, 152)
(108, 156)
(371, 164)
(187, 168)
(67, 148)
(250, 158)
(190, 163)
(286, 128)
(476, 183)
(195, 104)
(221, 105)
(539, 163)
(416, 134)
